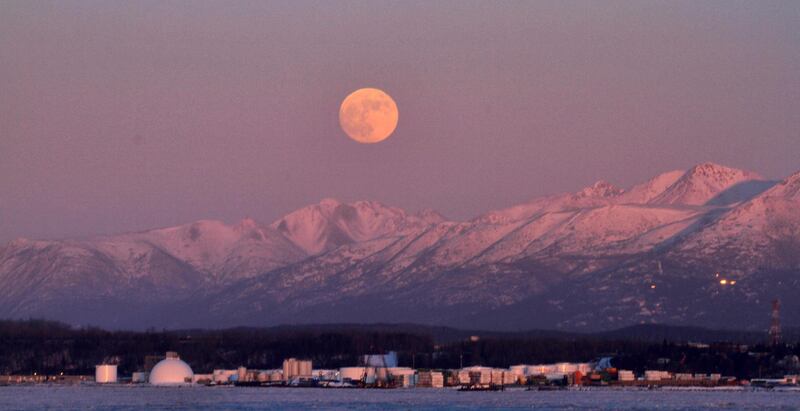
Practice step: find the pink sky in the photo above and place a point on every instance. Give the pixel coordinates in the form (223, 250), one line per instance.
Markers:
(126, 115)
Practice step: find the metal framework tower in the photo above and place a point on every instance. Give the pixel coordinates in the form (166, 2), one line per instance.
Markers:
(775, 326)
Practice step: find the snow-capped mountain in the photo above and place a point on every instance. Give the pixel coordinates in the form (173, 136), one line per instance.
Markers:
(596, 258)
(330, 224)
(705, 183)
(645, 192)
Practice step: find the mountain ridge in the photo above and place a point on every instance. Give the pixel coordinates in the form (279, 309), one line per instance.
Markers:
(580, 261)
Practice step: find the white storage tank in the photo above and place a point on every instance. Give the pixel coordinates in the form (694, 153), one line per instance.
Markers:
(566, 368)
(625, 375)
(305, 368)
(292, 367)
(518, 370)
(541, 369)
(105, 374)
(356, 373)
(171, 371)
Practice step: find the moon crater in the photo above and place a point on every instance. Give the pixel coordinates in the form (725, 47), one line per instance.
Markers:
(368, 115)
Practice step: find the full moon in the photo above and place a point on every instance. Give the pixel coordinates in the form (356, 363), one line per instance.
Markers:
(368, 115)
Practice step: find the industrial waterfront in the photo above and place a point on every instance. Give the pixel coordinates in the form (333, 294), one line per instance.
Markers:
(665, 376)
(382, 371)
(396, 357)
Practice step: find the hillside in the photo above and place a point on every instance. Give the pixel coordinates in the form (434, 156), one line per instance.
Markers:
(600, 258)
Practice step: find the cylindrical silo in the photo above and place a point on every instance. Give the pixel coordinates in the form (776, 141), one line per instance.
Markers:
(105, 374)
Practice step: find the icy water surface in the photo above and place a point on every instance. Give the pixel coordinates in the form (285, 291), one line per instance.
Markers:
(57, 397)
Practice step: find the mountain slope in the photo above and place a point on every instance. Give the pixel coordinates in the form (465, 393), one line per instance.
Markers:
(703, 183)
(330, 224)
(645, 192)
(597, 258)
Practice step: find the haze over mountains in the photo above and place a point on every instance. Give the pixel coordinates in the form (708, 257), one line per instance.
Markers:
(597, 259)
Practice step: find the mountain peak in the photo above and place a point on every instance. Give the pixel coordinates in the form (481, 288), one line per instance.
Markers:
(644, 192)
(590, 247)
(330, 224)
(247, 224)
(21, 242)
(602, 189)
(789, 188)
(704, 183)
(329, 202)
(430, 216)
(720, 172)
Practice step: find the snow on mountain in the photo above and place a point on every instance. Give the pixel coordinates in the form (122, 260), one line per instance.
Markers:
(600, 189)
(321, 227)
(599, 217)
(222, 251)
(471, 239)
(608, 230)
(74, 280)
(762, 230)
(598, 194)
(755, 243)
(645, 192)
(703, 183)
(554, 261)
(430, 216)
(788, 189)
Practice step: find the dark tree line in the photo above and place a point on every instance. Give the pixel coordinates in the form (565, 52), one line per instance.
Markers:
(50, 348)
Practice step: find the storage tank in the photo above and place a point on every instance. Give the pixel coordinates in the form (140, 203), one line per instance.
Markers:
(518, 370)
(304, 368)
(292, 367)
(105, 374)
(356, 373)
(566, 368)
(171, 371)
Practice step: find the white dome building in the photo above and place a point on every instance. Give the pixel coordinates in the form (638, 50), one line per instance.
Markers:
(171, 371)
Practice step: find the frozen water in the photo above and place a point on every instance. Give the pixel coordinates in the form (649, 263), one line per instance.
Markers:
(128, 397)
